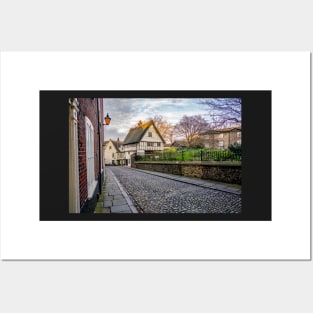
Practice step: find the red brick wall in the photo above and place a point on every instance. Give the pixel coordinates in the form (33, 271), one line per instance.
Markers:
(101, 128)
(88, 107)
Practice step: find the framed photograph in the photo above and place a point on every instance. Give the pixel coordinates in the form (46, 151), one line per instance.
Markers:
(157, 155)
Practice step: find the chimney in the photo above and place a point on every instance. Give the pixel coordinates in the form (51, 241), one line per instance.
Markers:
(140, 123)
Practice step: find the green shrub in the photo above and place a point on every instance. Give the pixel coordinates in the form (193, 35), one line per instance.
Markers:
(235, 148)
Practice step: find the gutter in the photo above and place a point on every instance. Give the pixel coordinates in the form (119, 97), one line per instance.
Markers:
(99, 146)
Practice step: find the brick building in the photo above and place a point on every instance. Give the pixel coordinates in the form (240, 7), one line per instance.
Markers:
(85, 159)
(221, 138)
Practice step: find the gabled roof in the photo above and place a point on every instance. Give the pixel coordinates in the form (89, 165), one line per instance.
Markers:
(179, 143)
(221, 130)
(229, 129)
(135, 134)
(209, 132)
(117, 144)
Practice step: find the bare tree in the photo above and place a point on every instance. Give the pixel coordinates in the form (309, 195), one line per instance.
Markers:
(190, 127)
(224, 112)
(165, 128)
(171, 134)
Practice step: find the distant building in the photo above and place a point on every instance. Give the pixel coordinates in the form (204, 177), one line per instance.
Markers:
(179, 144)
(221, 138)
(85, 153)
(144, 139)
(114, 152)
(167, 146)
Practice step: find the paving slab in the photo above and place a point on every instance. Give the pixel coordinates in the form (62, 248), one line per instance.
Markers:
(107, 204)
(104, 210)
(119, 202)
(114, 193)
(118, 197)
(113, 198)
(120, 209)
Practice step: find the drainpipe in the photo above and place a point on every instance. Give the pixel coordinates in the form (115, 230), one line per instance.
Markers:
(99, 146)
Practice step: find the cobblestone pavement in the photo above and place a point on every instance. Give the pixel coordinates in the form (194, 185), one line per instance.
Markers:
(154, 194)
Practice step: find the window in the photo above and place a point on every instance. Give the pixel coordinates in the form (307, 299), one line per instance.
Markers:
(221, 143)
(150, 144)
(90, 156)
(239, 142)
(221, 136)
(112, 155)
(149, 134)
(110, 147)
(238, 134)
(158, 144)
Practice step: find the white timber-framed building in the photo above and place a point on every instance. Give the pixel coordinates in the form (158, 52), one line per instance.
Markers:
(144, 139)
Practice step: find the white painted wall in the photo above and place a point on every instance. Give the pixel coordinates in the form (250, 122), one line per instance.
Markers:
(109, 149)
(155, 137)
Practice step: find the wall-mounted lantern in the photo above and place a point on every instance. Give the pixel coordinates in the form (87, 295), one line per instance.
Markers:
(107, 119)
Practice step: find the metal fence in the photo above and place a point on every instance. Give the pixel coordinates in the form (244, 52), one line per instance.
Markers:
(199, 155)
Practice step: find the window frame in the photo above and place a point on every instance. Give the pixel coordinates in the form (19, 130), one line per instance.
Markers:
(90, 158)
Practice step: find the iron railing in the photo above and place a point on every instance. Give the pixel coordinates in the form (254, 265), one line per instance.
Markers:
(189, 155)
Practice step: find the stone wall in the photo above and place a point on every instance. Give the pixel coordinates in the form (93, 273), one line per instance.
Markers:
(163, 167)
(224, 173)
(192, 170)
(217, 171)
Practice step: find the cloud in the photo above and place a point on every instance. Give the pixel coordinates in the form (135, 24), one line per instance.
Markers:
(126, 113)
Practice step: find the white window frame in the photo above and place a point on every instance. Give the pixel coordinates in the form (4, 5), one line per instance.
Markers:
(90, 158)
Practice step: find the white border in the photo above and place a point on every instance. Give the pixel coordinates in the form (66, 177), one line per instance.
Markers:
(23, 74)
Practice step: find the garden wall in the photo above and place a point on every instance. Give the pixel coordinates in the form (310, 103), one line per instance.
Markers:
(218, 171)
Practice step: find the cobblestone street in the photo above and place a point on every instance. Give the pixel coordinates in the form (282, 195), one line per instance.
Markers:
(155, 194)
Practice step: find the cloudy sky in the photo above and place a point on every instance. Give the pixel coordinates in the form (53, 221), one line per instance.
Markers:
(126, 113)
